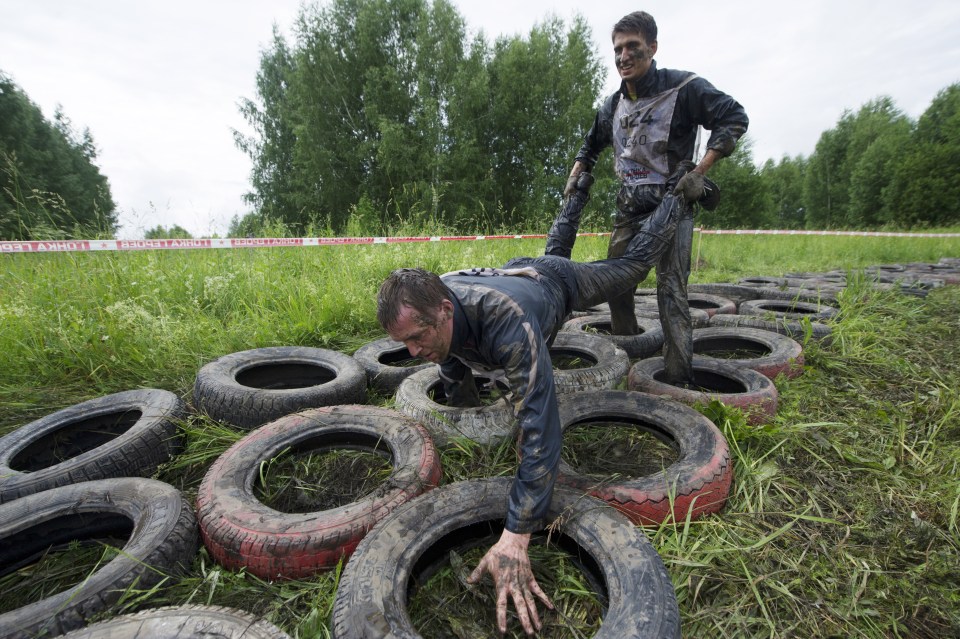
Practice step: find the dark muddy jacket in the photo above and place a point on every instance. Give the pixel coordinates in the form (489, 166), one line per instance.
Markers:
(699, 103)
(502, 328)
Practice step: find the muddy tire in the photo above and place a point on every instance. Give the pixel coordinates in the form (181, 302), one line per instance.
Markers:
(735, 292)
(250, 388)
(126, 434)
(781, 309)
(711, 304)
(794, 329)
(608, 363)
(696, 484)
(387, 362)
(241, 532)
(157, 521)
(415, 541)
(182, 622)
(764, 351)
(417, 398)
(753, 393)
(644, 344)
(793, 294)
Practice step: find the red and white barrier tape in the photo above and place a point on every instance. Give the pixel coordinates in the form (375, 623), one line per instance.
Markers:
(68, 246)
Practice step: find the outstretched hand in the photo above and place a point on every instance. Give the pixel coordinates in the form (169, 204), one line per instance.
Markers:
(509, 565)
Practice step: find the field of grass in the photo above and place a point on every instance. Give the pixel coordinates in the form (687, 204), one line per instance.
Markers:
(843, 518)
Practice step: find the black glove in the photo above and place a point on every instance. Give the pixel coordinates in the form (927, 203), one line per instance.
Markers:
(690, 186)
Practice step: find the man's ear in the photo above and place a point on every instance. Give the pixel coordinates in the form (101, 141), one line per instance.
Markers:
(653, 48)
(446, 309)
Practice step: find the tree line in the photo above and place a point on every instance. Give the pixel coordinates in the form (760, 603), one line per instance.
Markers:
(381, 116)
(50, 185)
(386, 117)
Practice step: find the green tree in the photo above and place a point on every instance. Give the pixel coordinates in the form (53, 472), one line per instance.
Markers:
(830, 187)
(784, 180)
(175, 232)
(50, 186)
(925, 188)
(381, 115)
(271, 147)
(745, 200)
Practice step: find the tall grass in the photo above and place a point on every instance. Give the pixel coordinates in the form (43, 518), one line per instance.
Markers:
(843, 520)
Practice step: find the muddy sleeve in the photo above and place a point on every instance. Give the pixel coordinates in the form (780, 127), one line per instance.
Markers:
(600, 135)
(523, 352)
(719, 113)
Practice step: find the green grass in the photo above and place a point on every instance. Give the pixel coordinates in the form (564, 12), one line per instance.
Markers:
(843, 517)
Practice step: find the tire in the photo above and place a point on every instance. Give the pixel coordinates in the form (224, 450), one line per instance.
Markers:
(250, 388)
(649, 310)
(734, 292)
(782, 309)
(763, 281)
(753, 393)
(644, 344)
(414, 542)
(162, 542)
(791, 328)
(241, 532)
(766, 352)
(697, 484)
(711, 304)
(608, 362)
(387, 363)
(488, 424)
(182, 622)
(811, 296)
(121, 435)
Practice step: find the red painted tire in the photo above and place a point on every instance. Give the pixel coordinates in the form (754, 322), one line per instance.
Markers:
(696, 484)
(753, 393)
(764, 351)
(241, 532)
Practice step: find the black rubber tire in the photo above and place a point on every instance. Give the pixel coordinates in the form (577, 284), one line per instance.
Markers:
(773, 354)
(162, 542)
(734, 292)
(609, 362)
(250, 388)
(697, 483)
(753, 393)
(811, 296)
(643, 344)
(415, 541)
(182, 622)
(782, 309)
(126, 434)
(241, 532)
(711, 304)
(762, 281)
(381, 358)
(487, 424)
(791, 328)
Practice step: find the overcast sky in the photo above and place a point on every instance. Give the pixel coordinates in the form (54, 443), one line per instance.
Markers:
(158, 83)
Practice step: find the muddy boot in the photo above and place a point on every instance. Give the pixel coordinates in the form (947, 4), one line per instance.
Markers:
(563, 233)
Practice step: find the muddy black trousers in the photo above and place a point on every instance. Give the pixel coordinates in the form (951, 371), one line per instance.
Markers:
(653, 228)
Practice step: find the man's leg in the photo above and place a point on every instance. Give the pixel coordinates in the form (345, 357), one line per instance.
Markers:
(673, 272)
(623, 316)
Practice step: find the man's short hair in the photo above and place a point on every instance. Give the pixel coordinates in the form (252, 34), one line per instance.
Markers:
(417, 288)
(637, 22)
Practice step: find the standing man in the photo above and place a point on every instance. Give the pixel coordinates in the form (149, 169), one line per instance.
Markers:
(651, 122)
(501, 322)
